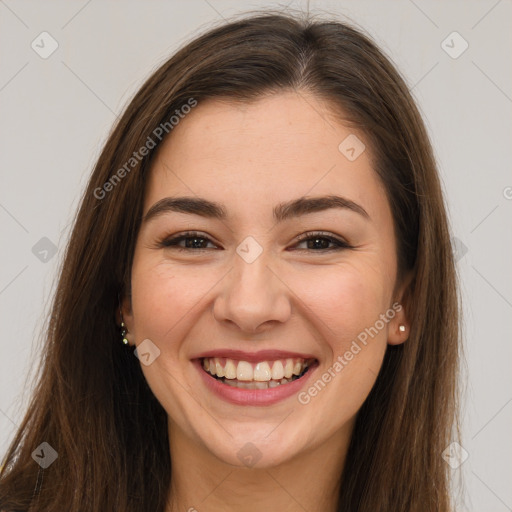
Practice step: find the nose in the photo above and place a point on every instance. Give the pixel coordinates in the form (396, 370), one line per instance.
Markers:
(253, 296)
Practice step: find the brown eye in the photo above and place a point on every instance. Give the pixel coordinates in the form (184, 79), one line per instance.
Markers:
(192, 241)
(319, 242)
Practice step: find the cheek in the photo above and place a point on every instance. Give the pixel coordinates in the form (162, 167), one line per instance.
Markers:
(161, 295)
(344, 300)
(163, 301)
(339, 300)
(347, 307)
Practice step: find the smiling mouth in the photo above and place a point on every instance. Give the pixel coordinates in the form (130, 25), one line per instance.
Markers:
(259, 375)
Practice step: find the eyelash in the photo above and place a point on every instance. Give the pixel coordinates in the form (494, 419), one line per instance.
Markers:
(311, 235)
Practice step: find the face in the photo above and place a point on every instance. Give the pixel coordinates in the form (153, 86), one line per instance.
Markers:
(288, 304)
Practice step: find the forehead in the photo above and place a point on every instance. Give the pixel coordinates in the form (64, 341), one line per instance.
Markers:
(272, 149)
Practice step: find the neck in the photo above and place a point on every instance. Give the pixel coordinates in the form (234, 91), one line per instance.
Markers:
(309, 481)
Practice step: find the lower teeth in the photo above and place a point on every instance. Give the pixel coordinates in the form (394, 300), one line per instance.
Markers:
(256, 384)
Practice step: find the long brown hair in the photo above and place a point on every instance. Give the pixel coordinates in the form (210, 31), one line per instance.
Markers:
(92, 403)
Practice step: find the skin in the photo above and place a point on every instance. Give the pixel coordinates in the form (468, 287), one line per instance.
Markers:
(250, 157)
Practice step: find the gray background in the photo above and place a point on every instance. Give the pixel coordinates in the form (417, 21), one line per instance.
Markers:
(56, 113)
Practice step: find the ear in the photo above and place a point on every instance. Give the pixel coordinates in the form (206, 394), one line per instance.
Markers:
(401, 301)
(125, 309)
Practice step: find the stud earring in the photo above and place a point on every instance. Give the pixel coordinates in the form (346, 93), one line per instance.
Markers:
(401, 328)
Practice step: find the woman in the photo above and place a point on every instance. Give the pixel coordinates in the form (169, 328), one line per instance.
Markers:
(257, 308)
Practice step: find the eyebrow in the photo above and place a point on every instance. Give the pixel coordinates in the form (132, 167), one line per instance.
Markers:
(283, 211)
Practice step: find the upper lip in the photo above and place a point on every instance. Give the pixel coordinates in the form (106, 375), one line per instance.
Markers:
(261, 355)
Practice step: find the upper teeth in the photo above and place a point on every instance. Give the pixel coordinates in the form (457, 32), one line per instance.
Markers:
(262, 371)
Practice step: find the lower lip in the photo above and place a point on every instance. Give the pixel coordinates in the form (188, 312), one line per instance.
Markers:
(253, 396)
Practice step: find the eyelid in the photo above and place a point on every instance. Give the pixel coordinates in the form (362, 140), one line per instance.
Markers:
(166, 241)
(339, 242)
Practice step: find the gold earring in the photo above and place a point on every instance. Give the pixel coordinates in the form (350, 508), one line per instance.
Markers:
(124, 331)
